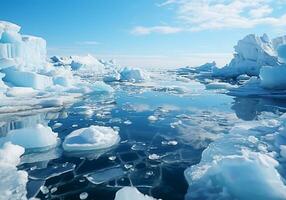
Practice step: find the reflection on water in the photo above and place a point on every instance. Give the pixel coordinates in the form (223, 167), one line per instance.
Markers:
(152, 155)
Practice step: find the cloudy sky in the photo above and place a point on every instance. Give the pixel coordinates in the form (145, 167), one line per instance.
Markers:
(147, 33)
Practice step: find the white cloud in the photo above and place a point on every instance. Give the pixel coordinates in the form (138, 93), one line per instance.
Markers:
(199, 15)
(87, 43)
(141, 30)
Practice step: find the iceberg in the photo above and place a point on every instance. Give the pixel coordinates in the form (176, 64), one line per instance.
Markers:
(251, 53)
(12, 181)
(133, 75)
(128, 193)
(91, 138)
(37, 138)
(86, 64)
(23, 49)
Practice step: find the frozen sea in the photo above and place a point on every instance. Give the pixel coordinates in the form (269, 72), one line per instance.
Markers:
(164, 126)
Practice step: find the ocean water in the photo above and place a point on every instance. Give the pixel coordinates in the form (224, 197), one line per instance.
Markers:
(152, 154)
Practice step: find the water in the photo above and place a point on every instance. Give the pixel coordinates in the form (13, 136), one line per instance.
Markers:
(152, 154)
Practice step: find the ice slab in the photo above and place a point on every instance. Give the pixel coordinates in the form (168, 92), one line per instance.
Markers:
(37, 138)
(105, 175)
(51, 171)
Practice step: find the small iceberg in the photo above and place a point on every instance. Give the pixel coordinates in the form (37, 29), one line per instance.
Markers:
(91, 138)
(133, 75)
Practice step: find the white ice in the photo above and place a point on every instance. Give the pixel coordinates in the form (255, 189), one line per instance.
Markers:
(12, 181)
(131, 193)
(91, 138)
(38, 137)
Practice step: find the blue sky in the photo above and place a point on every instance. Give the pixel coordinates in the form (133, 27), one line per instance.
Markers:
(147, 32)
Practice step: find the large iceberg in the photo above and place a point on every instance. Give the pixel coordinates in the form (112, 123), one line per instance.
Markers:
(12, 181)
(251, 53)
(21, 49)
(91, 138)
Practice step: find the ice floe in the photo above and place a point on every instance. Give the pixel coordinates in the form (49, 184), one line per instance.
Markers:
(12, 181)
(91, 138)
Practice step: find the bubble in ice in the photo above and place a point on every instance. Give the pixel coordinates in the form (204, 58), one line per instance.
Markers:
(154, 156)
(44, 189)
(83, 195)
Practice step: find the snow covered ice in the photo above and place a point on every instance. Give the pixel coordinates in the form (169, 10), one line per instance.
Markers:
(12, 181)
(91, 138)
(38, 137)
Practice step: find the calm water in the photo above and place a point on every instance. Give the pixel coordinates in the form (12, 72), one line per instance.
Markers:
(186, 124)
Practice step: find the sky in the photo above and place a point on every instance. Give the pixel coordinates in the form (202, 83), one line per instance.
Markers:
(147, 33)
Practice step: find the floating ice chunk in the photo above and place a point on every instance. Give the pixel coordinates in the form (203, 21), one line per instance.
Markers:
(154, 156)
(133, 75)
(57, 125)
(273, 77)
(12, 181)
(26, 79)
(230, 168)
(249, 176)
(38, 137)
(91, 138)
(152, 118)
(128, 193)
(105, 175)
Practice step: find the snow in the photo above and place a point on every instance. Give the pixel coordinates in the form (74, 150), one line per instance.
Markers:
(38, 137)
(128, 193)
(251, 53)
(91, 138)
(133, 75)
(12, 181)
